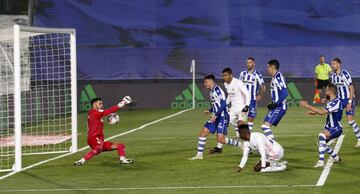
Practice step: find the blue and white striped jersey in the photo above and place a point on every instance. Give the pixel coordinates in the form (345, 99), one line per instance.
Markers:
(218, 102)
(252, 81)
(342, 82)
(278, 89)
(334, 116)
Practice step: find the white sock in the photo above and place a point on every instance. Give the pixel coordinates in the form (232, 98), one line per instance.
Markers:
(219, 145)
(122, 158)
(82, 160)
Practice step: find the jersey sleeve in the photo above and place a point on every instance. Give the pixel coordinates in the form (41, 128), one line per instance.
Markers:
(244, 93)
(281, 85)
(101, 113)
(220, 95)
(260, 79)
(333, 106)
(317, 69)
(329, 69)
(347, 78)
(245, 155)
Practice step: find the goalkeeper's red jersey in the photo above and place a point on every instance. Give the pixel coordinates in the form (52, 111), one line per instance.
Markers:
(96, 124)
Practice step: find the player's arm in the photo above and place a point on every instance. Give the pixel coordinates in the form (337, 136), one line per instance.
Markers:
(262, 154)
(246, 96)
(262, 88)
(244, 158)
(124, 101)
(283, 94)
(312, 109)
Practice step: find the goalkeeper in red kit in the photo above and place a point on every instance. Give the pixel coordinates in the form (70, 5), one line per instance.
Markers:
(96, 131)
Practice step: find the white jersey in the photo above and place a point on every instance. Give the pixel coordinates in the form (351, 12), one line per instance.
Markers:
(238, 95)
(269, 150)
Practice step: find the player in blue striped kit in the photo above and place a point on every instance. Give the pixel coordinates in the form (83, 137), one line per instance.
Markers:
(254, 82)
(219, 119)
(277, 107)
(346, 93)
(332, 128)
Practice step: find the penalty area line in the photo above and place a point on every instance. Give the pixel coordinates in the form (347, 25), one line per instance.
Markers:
(160, 188)
(329, 163)
(86, 147)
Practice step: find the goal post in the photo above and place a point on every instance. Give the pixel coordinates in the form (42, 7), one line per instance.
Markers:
(38, 93)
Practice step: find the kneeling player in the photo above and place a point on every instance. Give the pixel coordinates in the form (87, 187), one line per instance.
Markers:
(219, 119)
(332, 128)
(96, 131)
(270, 151)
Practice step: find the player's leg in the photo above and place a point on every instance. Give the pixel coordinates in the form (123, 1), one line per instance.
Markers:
(96, 148)
(252, 114)
(272, 119)
(221, 137)
(233, 118)
(350, 118)
(208, 128)
(109, 146)
(322, 147)
(257, 167)
(334, 133)
(275, 164)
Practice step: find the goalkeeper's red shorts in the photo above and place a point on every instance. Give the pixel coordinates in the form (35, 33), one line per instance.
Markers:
(99, 142)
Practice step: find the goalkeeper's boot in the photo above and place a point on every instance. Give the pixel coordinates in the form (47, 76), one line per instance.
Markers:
(358, 144)
(319, 164)
(215, 150)
(197, 157)
(79, 163)
(127, 161)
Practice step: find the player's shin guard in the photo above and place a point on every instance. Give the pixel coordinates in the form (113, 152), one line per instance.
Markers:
(330, 151)
(251, 126)
(121, 149)
(201, 145)
(356, 129)
(322, 146)
(267, 131)
(92, 153)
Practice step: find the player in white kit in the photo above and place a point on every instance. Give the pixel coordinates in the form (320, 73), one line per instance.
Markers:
(238, 101)
(270, 151)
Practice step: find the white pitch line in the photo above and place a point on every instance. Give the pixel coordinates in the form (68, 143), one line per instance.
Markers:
(86, 147)
(329, 163)
(160, 188)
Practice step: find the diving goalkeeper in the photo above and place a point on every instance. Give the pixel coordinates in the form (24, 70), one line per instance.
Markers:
(96, 131)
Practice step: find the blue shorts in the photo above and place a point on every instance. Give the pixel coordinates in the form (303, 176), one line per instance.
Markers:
(344, 103)
(219, 126)
(275, 115)
(252, 109)
(335, 132)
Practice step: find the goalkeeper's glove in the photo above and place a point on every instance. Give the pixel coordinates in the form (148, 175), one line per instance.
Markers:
(272, 105)
(124, 101)
(245, 109)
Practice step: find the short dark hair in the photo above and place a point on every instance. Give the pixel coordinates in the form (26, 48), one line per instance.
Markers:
(243, 128)
(95, 100)
(251, 58)
(322, 56)
(332, 87)
(337, 60)
(227, 70)
(210, 76)
(275, 63)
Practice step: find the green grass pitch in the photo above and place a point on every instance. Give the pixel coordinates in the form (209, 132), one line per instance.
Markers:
(162, 151)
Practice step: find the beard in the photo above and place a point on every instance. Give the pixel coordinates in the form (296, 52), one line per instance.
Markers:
(327, 97)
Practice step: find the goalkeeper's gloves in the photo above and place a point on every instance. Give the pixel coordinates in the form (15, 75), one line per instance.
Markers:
(126, 100)
(245, 109)
(272, 105)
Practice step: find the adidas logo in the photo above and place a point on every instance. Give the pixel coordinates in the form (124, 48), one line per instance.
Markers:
(86, 95)
(184, 100)
(294, 95)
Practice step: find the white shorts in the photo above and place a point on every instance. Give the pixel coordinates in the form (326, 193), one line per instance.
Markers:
(237, 116)
(276, 154)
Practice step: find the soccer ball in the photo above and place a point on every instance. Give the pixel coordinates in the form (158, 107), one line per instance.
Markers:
(113, 118)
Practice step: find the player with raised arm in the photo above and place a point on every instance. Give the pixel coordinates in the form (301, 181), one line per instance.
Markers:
(277, 107)
(219, 118)
(270, 151)
(254, 82)
(96, 132)
(238, 101)
(346, 93)
(332, 128)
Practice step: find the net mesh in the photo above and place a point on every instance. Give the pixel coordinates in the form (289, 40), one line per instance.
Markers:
(45, 95)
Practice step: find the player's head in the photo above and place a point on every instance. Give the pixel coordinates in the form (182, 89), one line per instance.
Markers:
(321, 59)
(336, 64)
(331, 91)
(227, 74)
(96, 103)
(250, 63)
(244, 132)
(273, 66)
(209, 81)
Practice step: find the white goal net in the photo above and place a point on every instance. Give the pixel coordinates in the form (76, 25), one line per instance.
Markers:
(37, 93)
